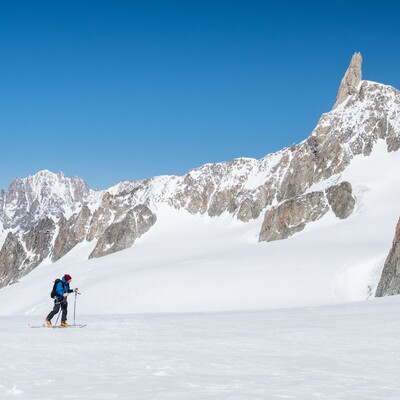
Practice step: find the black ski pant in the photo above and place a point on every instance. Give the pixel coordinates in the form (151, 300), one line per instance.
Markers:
(63, 303)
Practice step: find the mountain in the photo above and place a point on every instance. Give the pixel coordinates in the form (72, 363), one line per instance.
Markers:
(29, 200)
(46, 216)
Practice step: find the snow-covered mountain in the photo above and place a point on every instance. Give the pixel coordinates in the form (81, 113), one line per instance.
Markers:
(29, 200)
(46, 216)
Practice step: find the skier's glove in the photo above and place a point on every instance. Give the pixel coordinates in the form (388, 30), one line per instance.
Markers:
(66, 294)
(76, 290)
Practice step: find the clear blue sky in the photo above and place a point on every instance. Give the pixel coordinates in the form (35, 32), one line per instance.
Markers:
(113, 90)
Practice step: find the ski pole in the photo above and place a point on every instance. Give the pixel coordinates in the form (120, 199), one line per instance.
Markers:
(75, 307)
(59, 313)
(76, 293)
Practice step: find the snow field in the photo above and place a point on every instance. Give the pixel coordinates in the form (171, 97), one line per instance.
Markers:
(346, 351)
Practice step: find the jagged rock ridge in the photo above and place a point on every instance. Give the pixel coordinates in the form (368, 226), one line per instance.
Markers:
(279, 187)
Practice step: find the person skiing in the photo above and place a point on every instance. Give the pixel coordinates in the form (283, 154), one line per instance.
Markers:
(62, 290)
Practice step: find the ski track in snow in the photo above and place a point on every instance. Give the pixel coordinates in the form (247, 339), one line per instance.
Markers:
(346, 351)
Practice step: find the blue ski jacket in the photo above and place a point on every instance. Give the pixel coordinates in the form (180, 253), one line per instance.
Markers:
(63, 287)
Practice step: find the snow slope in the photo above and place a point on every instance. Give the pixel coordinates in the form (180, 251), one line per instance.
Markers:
(194, 263)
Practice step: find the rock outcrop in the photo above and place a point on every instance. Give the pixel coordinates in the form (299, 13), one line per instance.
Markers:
(38, 242)
(122, 234)
(71, 233)
(351, 80)
(22, 253)
(341, 200)
(292, 216)
(389, 283)
(12, 257)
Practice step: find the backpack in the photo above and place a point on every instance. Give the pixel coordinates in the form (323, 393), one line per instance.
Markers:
(54, 293)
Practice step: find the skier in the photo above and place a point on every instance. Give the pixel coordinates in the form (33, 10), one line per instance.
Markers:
(62, 292)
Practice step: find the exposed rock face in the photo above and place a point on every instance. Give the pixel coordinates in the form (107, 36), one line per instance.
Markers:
(390, 279)
(102, 218)
(223, 187)
(38, 241)
(299, 174)
(19, 255)
(341, 200)
(351, 79)
(249, 210)
(292, 216)
(12, 257)
(122, 234)
(71, 233)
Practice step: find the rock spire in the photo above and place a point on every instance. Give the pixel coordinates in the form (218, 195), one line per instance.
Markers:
(351, 79)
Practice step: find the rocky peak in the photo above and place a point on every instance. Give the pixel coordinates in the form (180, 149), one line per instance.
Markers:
(351, 79)
(44, 194)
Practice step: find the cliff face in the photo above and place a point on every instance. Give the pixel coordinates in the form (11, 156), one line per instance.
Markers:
(47, 215)
(390, 279)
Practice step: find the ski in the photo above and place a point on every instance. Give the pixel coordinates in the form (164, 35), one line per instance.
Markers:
(58, 326)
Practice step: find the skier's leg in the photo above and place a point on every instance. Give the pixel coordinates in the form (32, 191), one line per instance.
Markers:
(55, 310)
(64, 308)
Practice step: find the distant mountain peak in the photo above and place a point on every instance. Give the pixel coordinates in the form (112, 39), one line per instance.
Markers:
(351, 79)
(45, 194)
(47, 174)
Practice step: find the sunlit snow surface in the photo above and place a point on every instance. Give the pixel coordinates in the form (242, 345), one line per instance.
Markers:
(347, 351)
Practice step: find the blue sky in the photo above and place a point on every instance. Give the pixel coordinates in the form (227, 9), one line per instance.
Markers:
(113, 90)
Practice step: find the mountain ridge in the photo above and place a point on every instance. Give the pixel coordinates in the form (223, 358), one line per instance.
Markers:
(88, 193)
